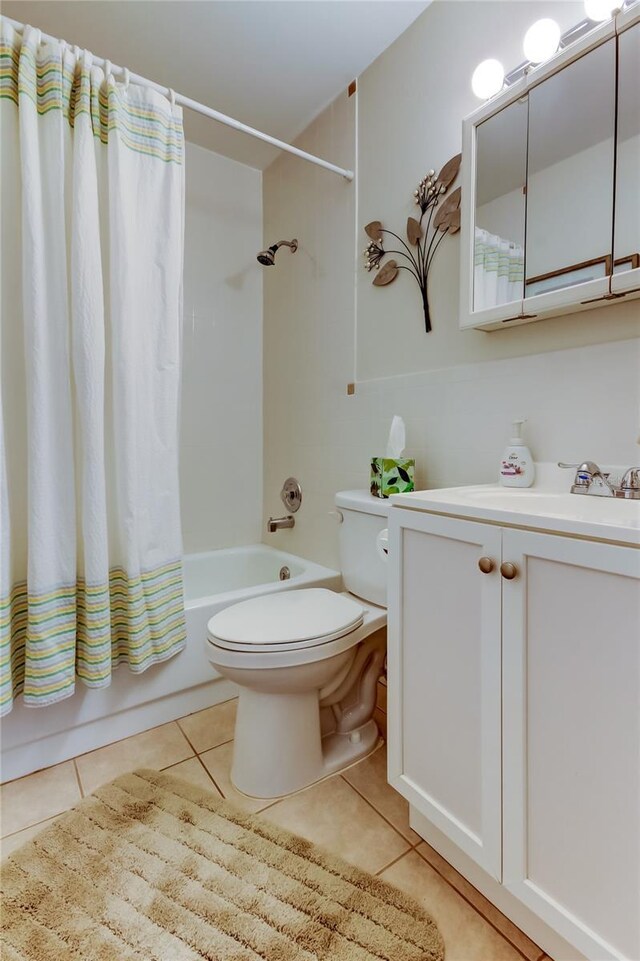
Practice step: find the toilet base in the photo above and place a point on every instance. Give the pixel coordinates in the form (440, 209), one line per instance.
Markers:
(341, 750)
(291, 722)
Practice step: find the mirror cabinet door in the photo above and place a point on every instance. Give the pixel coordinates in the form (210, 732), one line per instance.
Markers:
(626, 237)
(570, 179)
(499, 216)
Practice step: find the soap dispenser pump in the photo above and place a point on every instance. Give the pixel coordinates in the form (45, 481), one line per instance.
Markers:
(517, 468)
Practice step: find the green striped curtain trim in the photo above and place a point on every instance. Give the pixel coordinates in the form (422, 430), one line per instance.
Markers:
(137, 664)
(491, 261)
(479, 254)
(87, 630)
(516, 269)
(52, 86)
(503, 263)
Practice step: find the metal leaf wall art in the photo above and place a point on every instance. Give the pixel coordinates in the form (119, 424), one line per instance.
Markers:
(439, 216)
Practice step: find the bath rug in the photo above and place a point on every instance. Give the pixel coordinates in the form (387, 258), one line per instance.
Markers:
(151, 868)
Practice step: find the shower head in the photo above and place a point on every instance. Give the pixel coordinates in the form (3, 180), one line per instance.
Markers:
(268, 257)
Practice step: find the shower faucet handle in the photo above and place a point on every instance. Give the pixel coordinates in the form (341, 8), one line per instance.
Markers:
(291, 495)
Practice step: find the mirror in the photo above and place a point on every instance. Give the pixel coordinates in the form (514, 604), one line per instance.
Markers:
(627, 218)
(570, 174)
(499, 223)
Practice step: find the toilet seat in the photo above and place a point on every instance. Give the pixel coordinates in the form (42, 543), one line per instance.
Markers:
(287, 621)
(260, 657)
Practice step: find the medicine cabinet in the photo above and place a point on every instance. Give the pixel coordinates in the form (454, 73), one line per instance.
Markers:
(551, 189)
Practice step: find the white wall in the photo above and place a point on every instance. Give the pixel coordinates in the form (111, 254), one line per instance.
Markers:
(221, 430)
(411, 103)
(458, 391)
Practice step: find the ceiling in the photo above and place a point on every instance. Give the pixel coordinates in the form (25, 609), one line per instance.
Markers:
(273, 64)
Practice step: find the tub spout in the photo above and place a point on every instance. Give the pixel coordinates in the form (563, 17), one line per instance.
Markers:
(277, 523)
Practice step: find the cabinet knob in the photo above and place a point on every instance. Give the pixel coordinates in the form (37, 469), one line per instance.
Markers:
(508, 570)
(486, 565)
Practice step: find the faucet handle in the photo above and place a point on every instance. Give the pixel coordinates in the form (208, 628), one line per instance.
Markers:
(585, 474)
(586, 467)
(631, 480)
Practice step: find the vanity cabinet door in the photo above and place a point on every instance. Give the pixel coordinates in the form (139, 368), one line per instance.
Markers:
(496, 271)
(444, 677)
(626, 237)
(570, 183)
(571, 734)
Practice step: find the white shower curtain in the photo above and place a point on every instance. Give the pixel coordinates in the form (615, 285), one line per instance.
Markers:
(92, 239)
(498, 270)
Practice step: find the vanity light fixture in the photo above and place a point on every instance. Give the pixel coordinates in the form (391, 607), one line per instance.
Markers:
(541, 40)
(487, 79)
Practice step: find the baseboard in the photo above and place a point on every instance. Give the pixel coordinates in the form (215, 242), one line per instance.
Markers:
(63, 745)
(551, 942)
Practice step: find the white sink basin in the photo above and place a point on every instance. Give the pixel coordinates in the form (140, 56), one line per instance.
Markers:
(546, 508)
(525, 499)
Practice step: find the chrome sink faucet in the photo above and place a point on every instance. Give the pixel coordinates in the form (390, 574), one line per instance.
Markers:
(590, 479)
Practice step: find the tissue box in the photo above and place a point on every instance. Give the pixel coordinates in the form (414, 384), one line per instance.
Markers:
(389, 476)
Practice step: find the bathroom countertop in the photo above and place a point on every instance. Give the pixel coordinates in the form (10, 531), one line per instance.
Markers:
(545, 506)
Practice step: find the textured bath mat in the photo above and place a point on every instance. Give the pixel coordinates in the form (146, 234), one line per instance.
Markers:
(151, 868)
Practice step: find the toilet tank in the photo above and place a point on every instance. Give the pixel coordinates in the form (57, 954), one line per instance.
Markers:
(362, 560)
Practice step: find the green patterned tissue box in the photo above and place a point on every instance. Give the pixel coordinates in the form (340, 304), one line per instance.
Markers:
(389, 476)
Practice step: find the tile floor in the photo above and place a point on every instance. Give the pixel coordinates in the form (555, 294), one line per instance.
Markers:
(198, 748)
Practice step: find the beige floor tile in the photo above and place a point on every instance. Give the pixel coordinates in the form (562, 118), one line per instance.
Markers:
(381, 697)
(334, 815)
(14, 841)
(157, 748)
(38, 796)
(518, 938)
(467, 936)
(218, 764)
(369, 778)
(211, 727)
(192, 770)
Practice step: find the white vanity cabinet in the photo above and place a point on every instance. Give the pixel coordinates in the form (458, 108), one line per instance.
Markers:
(550, 200)
(514, 718)
(444, 663)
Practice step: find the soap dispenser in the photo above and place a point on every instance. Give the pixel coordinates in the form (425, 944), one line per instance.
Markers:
(517, 468)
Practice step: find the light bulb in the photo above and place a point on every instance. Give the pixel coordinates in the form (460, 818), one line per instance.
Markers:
(487, 79)
(598, 10)
(541, 40)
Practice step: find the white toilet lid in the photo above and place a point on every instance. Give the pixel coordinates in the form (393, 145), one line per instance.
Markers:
(293, 618)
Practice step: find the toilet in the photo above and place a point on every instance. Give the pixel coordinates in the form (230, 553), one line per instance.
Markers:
(307, 663)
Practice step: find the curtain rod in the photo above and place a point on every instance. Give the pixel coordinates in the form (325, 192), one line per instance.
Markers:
(208, 111)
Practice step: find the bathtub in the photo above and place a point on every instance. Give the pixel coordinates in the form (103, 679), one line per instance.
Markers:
(217, 579)
(89, 719)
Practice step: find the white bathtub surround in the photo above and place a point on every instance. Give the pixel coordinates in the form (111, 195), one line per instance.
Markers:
(187, 683)
(221, 415)
(91, 356)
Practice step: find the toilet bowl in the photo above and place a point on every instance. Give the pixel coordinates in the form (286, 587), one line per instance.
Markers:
(307, 663)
